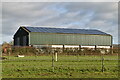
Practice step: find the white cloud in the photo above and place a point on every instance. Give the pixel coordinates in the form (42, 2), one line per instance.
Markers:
(90, 15)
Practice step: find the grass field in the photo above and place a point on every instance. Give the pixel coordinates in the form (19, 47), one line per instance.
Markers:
(65, 67)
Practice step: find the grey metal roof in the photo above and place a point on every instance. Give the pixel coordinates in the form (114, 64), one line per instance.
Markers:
(65, 30)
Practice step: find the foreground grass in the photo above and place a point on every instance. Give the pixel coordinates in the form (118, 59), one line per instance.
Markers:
(65, 67)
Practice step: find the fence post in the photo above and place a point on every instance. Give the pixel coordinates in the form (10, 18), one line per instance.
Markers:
(102, 63)
(56, 56)
(102, 60)
(95, 47)
(53, 62)
(111, 50)
(63, 48)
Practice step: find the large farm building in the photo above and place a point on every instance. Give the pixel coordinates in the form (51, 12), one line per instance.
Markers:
(29, 36)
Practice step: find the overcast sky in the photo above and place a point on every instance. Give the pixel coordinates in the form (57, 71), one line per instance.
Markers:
(80, 15)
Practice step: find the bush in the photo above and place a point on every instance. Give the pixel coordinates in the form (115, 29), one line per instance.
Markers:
(23, 51)
(67, 51)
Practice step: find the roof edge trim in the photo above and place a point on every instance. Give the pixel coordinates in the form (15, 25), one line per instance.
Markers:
(25, 29)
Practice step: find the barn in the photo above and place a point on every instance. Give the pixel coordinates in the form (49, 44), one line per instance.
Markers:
(29, 36)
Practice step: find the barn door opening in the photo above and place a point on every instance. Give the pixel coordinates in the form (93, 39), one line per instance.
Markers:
(18, 41)
(24, 40)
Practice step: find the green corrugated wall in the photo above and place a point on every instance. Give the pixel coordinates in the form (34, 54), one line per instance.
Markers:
(69, 39)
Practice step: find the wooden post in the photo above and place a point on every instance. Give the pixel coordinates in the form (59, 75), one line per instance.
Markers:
(102, 63)
(111, 50)
(80, 47)
(63, 47)
(53, 62)
(95, 47)
(56, 56)
(78, 53)
(102, 60)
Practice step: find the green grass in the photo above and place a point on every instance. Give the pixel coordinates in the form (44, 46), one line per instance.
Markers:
(65, 67)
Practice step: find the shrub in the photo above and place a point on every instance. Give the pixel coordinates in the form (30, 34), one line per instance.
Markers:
(23, 51)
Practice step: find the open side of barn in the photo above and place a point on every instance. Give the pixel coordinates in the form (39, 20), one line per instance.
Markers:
(21, 37)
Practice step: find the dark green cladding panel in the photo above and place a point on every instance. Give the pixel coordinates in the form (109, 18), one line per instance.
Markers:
(37, 38)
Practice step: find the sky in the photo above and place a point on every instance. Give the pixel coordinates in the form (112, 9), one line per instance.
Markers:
(102, 16)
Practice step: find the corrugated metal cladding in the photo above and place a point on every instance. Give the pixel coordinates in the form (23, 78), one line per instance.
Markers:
(69, 39)
(63, 36)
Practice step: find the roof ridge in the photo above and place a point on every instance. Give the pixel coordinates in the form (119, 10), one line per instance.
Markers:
(60, 28)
